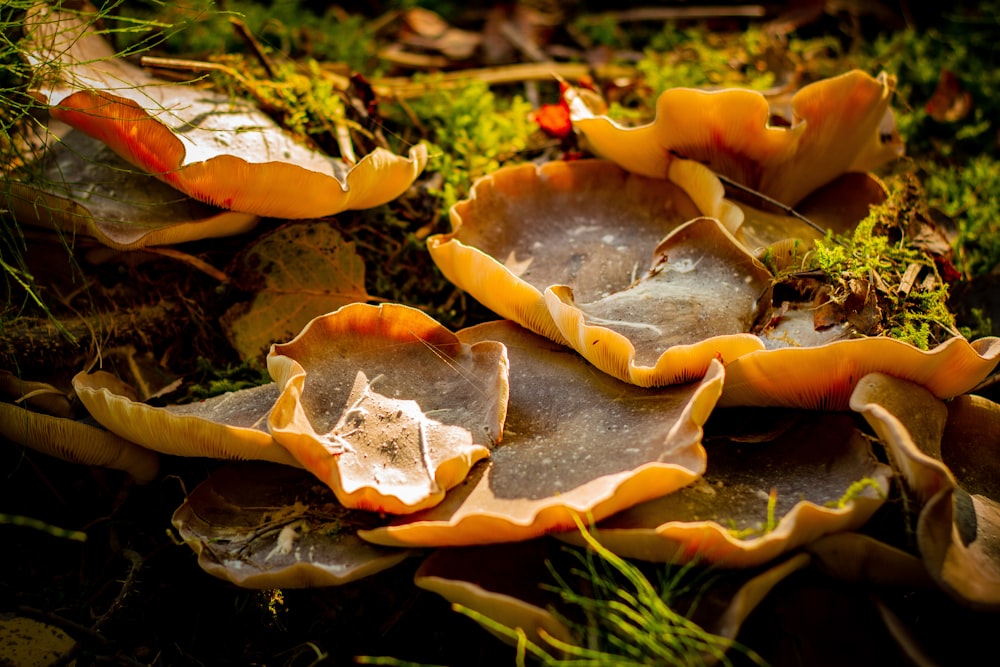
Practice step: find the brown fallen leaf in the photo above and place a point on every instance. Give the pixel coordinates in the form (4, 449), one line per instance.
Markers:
(299, 271)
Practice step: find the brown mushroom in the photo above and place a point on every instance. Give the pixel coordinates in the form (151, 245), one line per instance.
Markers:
(958, 531)
(214, 148)
(757, 500)
(76, 442)
(229, 426)
(698, 301)
(841, 124)
(386, 406)
(84, 188)
(260, 525)
(555, 464)
(588, 224)
(823, 377)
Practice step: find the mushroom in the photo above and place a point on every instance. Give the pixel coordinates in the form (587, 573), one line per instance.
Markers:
(698, 302)
(503, 582)
(84, 188)
(958, 530)
(76, 442)
(511, 586)
(214, 148)
(228, 426)
(555, 464)
(386, 406)
(261, 525)
(757, 500)
(823, 377)
(841, 124)
(586, 223)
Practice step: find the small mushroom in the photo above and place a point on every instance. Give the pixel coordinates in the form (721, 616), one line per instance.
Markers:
(823, 377)
(216, 149)
(757, 500)
(76, 442)
(958, 531)
(586, 223)
(503, 582)
(229, 426)
(698, 301)
(260, 525)
(555, 464)
(841, 124)
(386, 406)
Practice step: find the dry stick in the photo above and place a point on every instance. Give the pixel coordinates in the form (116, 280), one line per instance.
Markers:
(404, 88)
(258, 49)
(774, 202)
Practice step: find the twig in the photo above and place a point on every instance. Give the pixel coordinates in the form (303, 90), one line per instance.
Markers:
(774, 202)
(258, 49)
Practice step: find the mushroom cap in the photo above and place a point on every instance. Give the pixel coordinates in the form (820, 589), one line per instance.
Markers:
(840, 124)
(823, 377)
(228, 426)
(76, 442)
(88, 189)
(697, 303)
(958, 532)
(216, 149)
(555, 464)
(809, 469)
(268, 526)
(501, 582)
(587, 223)
(386, 406)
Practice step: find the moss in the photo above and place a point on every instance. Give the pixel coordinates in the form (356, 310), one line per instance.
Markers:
(472, 132)
(884, 283)
(968, 194)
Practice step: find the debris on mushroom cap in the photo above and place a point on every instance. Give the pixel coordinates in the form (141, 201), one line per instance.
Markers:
(76, 442)
(554, 464)
(218, 150)
(757, 500)
(839, 126)
(958, 532)
(823, 377)
(386, 406)
(88, 189)
(268, 526)
(587, 223)
(229, 426)
(697, 302)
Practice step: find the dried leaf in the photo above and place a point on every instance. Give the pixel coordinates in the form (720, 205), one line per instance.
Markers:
(300, 271)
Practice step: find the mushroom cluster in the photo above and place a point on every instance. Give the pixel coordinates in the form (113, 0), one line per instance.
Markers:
(629, 388)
